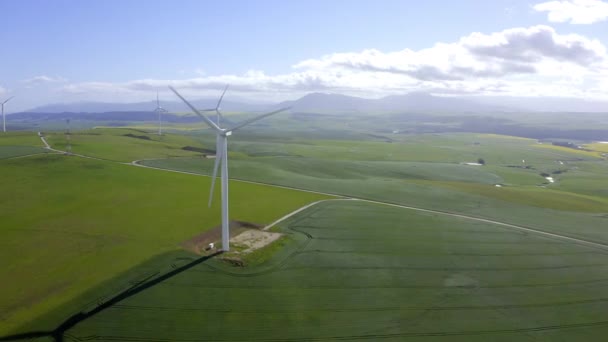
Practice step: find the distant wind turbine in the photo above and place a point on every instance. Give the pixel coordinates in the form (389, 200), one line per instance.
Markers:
(3, 117)
(221, 156)
(217, 107)
(160, 110)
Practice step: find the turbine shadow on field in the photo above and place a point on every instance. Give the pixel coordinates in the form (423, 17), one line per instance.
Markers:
(59, 333)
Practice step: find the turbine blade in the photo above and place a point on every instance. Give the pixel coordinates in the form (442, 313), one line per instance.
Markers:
(221, 97)
(218, 161)
(157, 101)
(219, 116)
(203, 116)
(259, 117)
(7, 100)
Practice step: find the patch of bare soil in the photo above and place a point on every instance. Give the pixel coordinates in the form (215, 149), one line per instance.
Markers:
(198, 244)
(252, 239)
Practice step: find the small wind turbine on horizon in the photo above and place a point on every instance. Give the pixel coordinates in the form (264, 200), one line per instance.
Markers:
(221, 156)
(160, 110)
(3, 117)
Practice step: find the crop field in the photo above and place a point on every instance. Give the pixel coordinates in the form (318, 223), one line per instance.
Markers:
(361, 271)
(15, 144)
(600, 147)
(104, 239)
(70, 223)
(576, 204)
(127, 144)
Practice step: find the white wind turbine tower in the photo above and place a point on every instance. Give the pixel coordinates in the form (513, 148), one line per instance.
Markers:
(160, 110)
(3, 117)
(221, 157)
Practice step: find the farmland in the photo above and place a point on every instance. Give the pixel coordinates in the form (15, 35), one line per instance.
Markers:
(16, 144)
(356, 270)
(70, 223)
(425, 171)
(404, 273)
(125, 145)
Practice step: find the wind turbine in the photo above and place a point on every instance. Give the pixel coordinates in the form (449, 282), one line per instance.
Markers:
(159, 110)
(217, 107)
(221, 157)
(3, 117)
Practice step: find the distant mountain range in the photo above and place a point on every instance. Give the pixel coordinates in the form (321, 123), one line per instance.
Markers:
(336, 103)
(412, 102)
(171, 106)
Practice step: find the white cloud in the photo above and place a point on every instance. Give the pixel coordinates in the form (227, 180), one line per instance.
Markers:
(574, 11)
(519, 61)
(43, 79)
(513, 51)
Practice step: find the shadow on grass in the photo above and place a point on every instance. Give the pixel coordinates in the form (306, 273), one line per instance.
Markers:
(59, 333)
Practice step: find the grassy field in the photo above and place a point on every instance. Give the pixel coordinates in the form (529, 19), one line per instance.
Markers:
(15, 144)
(600, 147)
(424, 175)
(20, 139)
(127, 144)
(70, 223)
(359, 271)
(94, 229)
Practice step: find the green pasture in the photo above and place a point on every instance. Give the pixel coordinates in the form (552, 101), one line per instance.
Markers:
(15, 144)
(78, 231)
(600, 147)
(360, 271)
(126, 144)
(576, 204)
(70, 223)
(20, 139)
(17, 151)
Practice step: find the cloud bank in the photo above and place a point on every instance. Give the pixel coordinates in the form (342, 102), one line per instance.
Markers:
(532, 61)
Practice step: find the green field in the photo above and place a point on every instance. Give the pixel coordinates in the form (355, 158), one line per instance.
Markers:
(359, 271)
(125, 144)
(16, 144)
(93, 245)
(70, 223)
(422, 174)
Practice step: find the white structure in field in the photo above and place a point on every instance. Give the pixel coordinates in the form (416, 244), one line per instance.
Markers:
(221, 148)
(3, 117)
(159, 110)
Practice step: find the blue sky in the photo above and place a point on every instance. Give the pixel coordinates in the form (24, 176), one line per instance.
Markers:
(124, 51)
